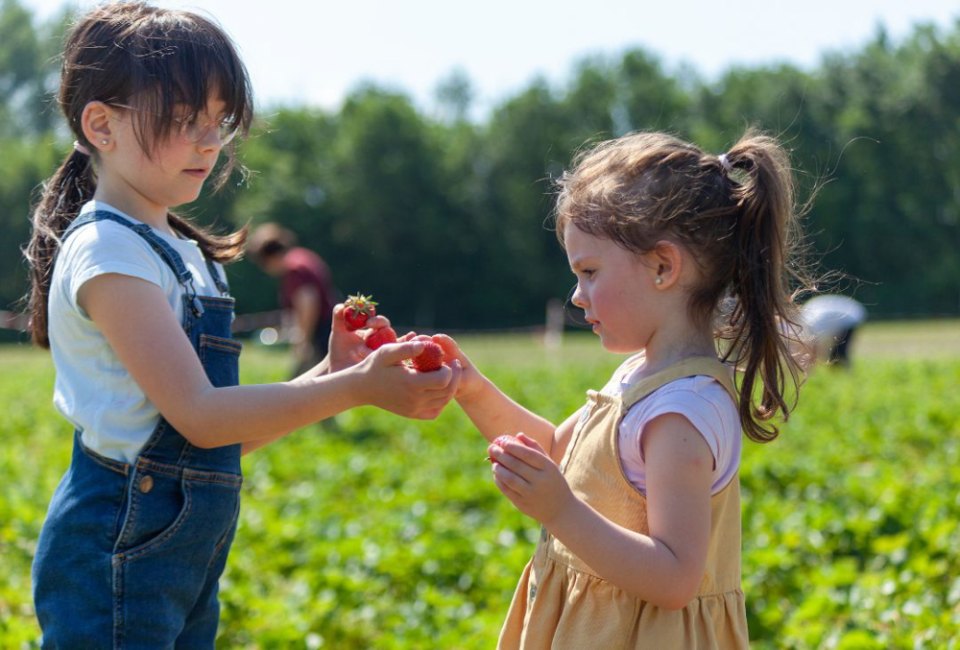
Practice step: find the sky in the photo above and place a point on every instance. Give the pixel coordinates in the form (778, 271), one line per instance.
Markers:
(314, 52)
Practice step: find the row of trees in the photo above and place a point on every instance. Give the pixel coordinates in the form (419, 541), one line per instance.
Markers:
(446, 220)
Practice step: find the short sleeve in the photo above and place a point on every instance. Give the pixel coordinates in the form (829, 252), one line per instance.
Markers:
(106, 247)
(709, 409)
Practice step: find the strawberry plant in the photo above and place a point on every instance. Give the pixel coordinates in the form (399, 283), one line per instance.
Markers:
(379, 532)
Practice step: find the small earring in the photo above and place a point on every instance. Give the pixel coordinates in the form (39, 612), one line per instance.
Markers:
(658, 281)
(104, 142)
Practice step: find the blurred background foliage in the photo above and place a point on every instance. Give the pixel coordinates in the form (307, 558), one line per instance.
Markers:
(446, 220)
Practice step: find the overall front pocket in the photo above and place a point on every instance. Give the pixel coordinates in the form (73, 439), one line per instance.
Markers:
(182, 508)
(171, 551)
(157, 504)
(221, 359)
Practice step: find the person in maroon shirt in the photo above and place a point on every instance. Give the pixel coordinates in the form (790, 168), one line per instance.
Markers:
(307, 293)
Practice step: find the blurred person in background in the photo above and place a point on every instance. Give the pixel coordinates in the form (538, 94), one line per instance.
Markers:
(307, 293)
(829, 322)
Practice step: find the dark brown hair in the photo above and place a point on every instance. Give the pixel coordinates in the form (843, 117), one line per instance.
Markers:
(737, 217)
(161, 61)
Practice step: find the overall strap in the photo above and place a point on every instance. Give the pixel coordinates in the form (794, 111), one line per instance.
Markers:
(163, 249)
(217, 279)
(708, 366)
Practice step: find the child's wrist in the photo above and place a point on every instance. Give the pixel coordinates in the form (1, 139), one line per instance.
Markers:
(355, 386)
(474, 391)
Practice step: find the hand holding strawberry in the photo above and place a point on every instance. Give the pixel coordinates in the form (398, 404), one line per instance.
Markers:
(500, 441)
(387, 380)
(530, 479)
(347, 342)
(432, 357)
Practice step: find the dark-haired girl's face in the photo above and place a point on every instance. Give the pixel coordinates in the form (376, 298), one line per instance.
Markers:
(151, 174)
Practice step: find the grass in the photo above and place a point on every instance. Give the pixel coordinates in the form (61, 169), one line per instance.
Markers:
(386, 533)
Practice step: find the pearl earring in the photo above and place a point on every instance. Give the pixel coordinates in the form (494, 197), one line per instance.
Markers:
(104, 142)
(658, 281)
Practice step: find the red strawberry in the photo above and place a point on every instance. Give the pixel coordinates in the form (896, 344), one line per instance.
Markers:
(430, 359)
(357, 309)
(381, 336)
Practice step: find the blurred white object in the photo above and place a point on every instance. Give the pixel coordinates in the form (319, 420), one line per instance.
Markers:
(831, 320)
(268, 336)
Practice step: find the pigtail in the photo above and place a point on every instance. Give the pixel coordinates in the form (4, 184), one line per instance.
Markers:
(63, 195)
(765, 222)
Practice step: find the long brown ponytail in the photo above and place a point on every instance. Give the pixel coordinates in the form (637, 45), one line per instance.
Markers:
(766, 273)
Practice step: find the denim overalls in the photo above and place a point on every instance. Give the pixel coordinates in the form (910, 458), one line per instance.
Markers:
(130, 554)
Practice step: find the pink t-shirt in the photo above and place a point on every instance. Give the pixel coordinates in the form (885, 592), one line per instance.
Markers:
(703, 402)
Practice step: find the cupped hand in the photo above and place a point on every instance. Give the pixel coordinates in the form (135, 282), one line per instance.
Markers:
(527, 476)
(388, 383)
(347, 348)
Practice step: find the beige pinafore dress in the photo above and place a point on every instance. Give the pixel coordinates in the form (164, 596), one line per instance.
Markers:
(561, 603)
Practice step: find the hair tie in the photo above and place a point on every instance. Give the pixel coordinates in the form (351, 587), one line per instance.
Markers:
(727, 166)
(79, 148)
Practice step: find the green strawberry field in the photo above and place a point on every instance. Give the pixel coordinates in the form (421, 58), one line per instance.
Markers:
(377, 532)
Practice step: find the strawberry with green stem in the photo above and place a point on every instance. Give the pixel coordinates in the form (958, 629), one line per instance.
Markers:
(357, 309)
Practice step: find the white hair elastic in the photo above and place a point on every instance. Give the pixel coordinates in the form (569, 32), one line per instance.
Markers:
(79, 148)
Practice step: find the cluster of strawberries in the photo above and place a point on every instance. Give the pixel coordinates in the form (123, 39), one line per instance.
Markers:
(359, 308)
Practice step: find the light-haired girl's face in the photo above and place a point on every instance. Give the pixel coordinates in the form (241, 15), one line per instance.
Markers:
(614, 288)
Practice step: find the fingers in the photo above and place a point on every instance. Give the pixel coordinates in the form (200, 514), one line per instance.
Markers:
(524, 450)
(377, 322)
(505, 480)
(456, 370)
(427, 394)
(530, 442)
(338, 317)
(393, 354)
(513, 485)
(450, 347)
(440, 394)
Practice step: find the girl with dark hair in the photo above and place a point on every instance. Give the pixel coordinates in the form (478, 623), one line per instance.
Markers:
(683, 260)
(132, 302)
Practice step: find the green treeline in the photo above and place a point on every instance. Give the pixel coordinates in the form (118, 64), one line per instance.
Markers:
(446, 219)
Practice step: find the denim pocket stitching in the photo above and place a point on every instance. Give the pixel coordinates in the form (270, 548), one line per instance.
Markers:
(219, 343)
(161, 537)
(226, 535)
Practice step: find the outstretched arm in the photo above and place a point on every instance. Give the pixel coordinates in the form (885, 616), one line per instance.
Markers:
(664, 567)
(144, 333)
(491, 410)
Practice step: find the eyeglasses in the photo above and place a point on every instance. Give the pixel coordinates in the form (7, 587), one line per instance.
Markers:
(192, 129)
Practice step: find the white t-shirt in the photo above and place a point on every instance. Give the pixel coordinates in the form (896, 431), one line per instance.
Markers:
(93, 390)
(703, 402)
